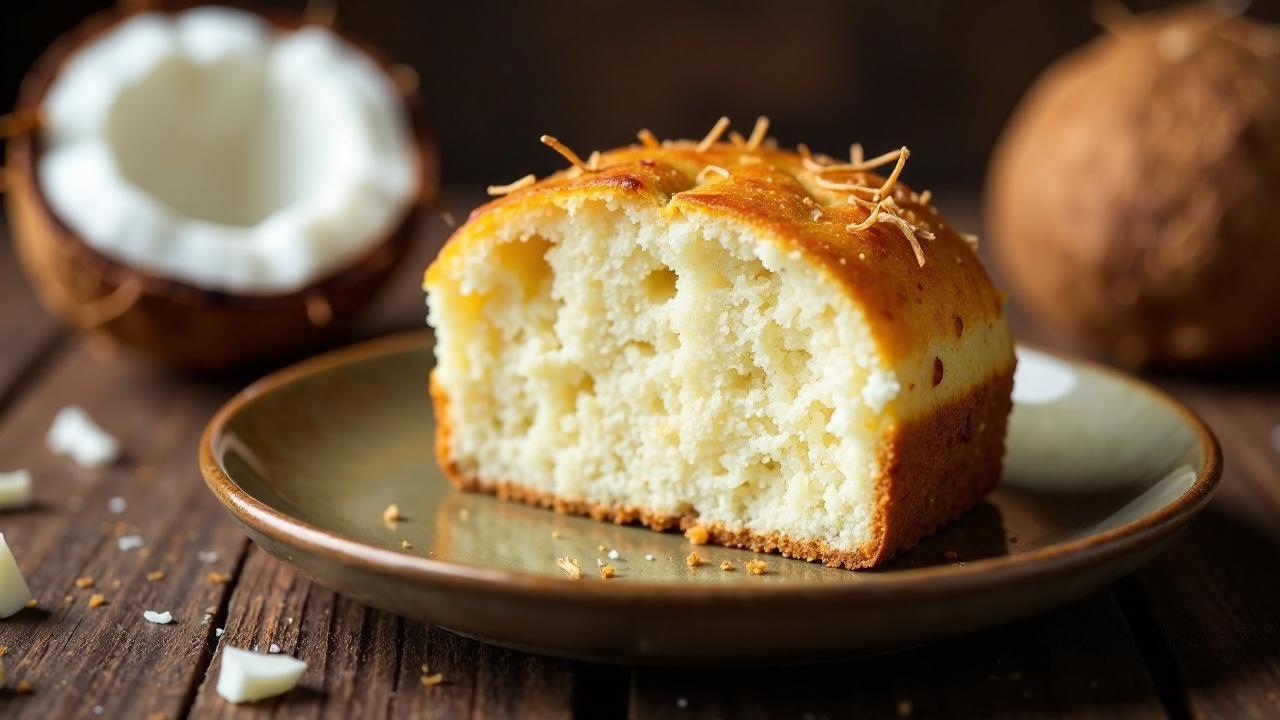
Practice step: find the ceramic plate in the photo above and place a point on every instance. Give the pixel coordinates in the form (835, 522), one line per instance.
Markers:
(1102, 471)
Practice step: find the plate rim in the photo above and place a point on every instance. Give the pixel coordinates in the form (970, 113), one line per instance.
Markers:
(932, 581)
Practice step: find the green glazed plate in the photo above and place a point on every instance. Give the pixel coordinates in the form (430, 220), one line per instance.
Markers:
(1101, 472)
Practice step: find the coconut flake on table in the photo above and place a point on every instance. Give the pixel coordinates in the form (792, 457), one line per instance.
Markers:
(159, 618)
(74, 434)
(15, 489)
(207, 556)
(249, 676)
(130, 542)
(14, 593)
(117, 505)
(210, 147)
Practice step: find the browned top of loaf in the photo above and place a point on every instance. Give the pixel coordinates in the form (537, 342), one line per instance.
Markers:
(908, 305)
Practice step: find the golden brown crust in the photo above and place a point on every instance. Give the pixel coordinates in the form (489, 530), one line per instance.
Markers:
(908, 306)
(774, 192)
(177, 322)
(934, 468)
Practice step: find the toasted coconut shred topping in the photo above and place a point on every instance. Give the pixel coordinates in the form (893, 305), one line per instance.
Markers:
(509, 188)
(716, 131)
(705, 174)
(877, 200)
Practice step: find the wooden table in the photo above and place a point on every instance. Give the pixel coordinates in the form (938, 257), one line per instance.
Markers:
(1194, 634)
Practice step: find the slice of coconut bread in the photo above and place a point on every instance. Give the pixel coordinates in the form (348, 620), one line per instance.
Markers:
(792, 353)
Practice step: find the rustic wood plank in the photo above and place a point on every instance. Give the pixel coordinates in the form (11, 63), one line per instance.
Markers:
(1079, 661)
(1213, 594)
(78, 657)
(365, 663)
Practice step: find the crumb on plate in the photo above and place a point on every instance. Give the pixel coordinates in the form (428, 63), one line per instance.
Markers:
(391, 515)
(697, 535)
(570, 566)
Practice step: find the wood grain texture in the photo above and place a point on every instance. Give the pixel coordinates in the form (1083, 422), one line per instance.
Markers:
(75, 656)
(365, 663)
(1079, 661)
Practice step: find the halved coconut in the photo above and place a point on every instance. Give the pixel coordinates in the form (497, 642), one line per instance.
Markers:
(213, 186)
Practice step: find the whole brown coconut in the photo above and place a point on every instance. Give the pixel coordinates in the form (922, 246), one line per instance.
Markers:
(1135, 195)
(176, 322)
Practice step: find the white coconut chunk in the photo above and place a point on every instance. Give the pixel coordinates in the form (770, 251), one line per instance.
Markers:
(117, 505)
(74, 434)
(14, 593)
(159, 618)
(15, 489)
(209, 147)
(250, 676)
(129, 542)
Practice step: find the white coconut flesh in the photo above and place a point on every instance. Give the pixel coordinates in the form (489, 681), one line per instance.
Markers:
(212, 148)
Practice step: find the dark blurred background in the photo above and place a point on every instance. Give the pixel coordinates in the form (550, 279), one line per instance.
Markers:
(939, 76)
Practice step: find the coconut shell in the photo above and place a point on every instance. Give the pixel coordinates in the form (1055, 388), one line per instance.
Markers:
(176, 322)
(1135, 195)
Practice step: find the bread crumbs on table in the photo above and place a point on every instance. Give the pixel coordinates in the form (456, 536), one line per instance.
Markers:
(32, 602)
(693, 560)
(570, 566)
(218, 578)
(84, 582)
(727, 566)
(697, 535)
(96, 600)
(431, 680)
(757, 567)
(144, 553)
(155, 576)
(23, 688)
(607, 572)
(4, 650)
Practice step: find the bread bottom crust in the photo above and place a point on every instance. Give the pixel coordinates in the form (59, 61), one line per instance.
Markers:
(933, 469)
